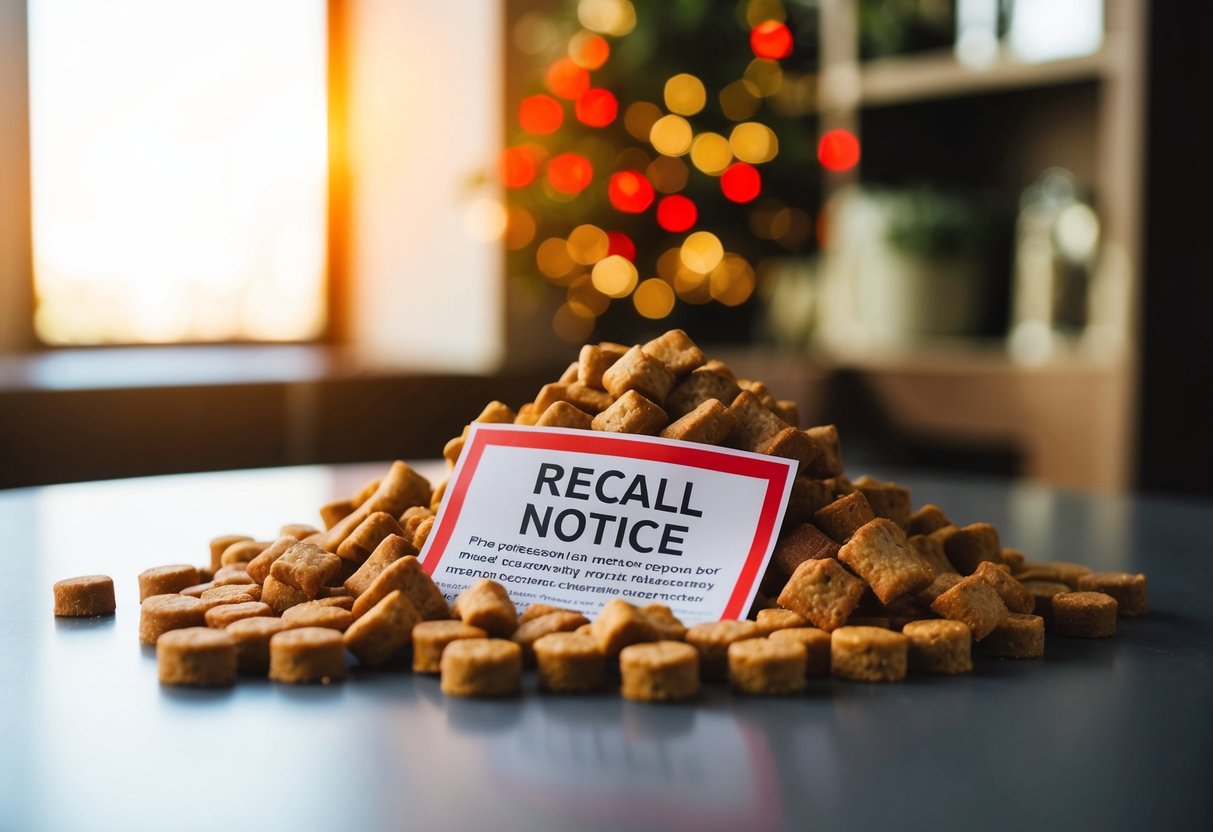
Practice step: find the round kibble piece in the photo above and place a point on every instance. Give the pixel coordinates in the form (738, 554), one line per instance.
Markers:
(231, 594)
(1084, 614)
(84, 597)
(162, 613)
(569, 663)
(197, 656)
(308, 654)
(430, 639)
(1043, 592)
(1019, 637)
(165, 580)
(767, 668)
(868, 654)
(939, 646)
(219, 617)
(1128, 589)
(309, 615)
(712, 640)
(659, 671)
(481, 667)
(816, 643)
(252, 636)
(528, 632)
(770, 621)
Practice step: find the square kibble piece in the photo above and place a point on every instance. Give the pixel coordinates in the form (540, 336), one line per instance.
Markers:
(868, 654)
(843, 517)
(631, 413)
(971, 545)
(640, 372)
(306, 567)
(973, 602)
(823, 592)
(882, 556)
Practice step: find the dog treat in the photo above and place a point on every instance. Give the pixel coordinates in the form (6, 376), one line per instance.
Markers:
(422, 533)
(232, 575)
(536, 628)
(1013, 558)
(790, 443)
(537, 610)
(385, 631)
(712, 640)
(1069, 573)
(880, 621)
(620, 624)
(85, 597)
(313, 614)
(252, 637)
(879, 552)
(1011, 591)
(224, 614)
(631, 413)
(564, 415)
(400, 488)
(219, 546)
(828, 462)
(1128, 589)
(1084, 614)
(596, 359)
(973, 602)
(306, 567)
(927, 519)
(165, 580)
(868, 654)
(1018, 637)
(822, 592)
(939, 646)
(668, 627)
(231, 594)
(887, 499)
(804, 542)
(481, 667)
(370, 533)
(281, 596)
(333, 513)
(676, 351)
(763, 667)
(569, 663)
(845, 516)
(969, 546)
(816, 644)
(659, 671)
(242, 551)
(636, 371)
(196, 656)
(703, 384)
(298, 530)
(407, 576)
(391, 549)
(1042, 596)
(161, 613)
(306, 655)
(711, 423)
(486, 604)
(430, 638)
(259, 567)
(942, 583)
(196, 590)
(776, 619)
(930, 551)
(756, 423)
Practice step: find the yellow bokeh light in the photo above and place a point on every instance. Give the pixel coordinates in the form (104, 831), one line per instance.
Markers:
(753, 142)
(584, 297)
(692, 287)
(668, 174)
(654, 299)
(671, 135)
(587, 244)
(685, 95)
(615, 276)
(607, 17)
(710, 153)
(756, 11)
(639, 118)
(739, 100)
(702, 251)
(519, 229)
(572, 325)
(732, 281)
(669, 263)
(765, 76)
(552, 258)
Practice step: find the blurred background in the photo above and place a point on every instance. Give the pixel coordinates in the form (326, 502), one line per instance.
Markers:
(975, 234)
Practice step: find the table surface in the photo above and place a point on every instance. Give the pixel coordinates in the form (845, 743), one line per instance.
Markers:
(1099, 734)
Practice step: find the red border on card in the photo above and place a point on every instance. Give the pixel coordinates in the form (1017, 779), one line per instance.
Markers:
(774, 470)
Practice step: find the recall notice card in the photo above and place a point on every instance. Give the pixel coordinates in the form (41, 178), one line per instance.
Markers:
(575, 518)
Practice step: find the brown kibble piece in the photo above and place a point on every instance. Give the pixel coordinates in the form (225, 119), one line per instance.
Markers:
(569, 663)
(281, 596)
(537, 610)
(333, 513)
(1084, 614)
(659, 671)
(881, 555)
(762, 667)
(298, 530)
(232, 575)
(756, 423)
(868, 654)
(406, 575)
(259, 567)
(845, 516)
(219, 546)
(422, 533)
(230, 594)
(804, 542)
(306, 567)
(887, 499)
(620, 624)
(370, 533)
(481, 667)
(306, 655)
(1069, 573)
(973, 602)
(486, 604)
(631, 413)
(931, 552)
(596, 359)
(667, 625)
(707, 382)
(816, 644)
(196, 656)
(242, 551)
(391, 549)
(942, 583)
(676, 351)
(776, 619)
(787, 410)
(165, 580)
(638, 372)
(314, 614)
(1018, 637)
(927, 519)
(564, 415)
(828, 462)
(971, 545)
(400, 488)
(196, 590)
(823, 592)
(1017, 599)
(1128, 589)
(1042, 596)
(531, 631)
(807, 498)
(586, 398)
(1013, 558)
(161, 613)
(252, 637)
(712, 640)
(430, 639)
(711, 423)
(790, 443)
(939, 646)
(224, 614)
(385, 631)
(85, 597)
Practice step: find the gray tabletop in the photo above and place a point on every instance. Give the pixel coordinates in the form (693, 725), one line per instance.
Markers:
(1100, 734)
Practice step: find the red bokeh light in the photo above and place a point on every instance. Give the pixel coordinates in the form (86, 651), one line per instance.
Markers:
(741, 182)
(621, 244)
(540, 114)
(676, 213)
(592, 51)
(570, 173)
(771, 39)
(630, 192)
(516, 167)
(596, 107)
(565, 79)
(838, 150)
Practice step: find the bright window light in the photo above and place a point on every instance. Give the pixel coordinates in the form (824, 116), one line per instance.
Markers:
(179, 169)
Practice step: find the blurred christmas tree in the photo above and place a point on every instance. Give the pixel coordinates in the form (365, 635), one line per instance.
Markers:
(662, 153)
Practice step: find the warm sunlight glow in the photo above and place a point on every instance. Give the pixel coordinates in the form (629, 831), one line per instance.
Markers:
(179, 170)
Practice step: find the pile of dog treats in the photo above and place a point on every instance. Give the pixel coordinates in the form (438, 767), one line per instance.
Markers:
(860, 585)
